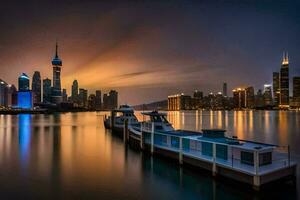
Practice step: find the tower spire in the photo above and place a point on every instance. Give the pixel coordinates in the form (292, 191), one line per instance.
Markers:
(56, 47)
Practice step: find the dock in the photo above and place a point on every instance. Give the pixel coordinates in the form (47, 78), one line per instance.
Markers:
(249, 162)
(176, 147)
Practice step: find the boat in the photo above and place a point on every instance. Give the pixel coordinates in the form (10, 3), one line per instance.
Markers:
(116, 121)
(246, 161)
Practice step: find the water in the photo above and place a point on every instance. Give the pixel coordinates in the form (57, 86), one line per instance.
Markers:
(72, 156)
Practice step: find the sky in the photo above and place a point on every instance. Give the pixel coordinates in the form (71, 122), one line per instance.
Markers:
(147, 50)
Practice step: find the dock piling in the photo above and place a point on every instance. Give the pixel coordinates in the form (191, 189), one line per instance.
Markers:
(142, 138)
(152, 138)
(180, 151)
(214, 167)
(125, 131)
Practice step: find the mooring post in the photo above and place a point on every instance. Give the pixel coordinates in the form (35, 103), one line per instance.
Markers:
(256, 178)
(142, 138)
(180, 151)
(289, 156)
(214, 167)
(112, 119)
(152, 138)
(125, 131)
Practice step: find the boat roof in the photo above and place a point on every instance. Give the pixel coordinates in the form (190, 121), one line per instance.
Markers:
(154, 113)
(124, 108)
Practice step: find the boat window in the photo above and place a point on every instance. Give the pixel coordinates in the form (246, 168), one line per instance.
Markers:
(164, 119)
(156, 118)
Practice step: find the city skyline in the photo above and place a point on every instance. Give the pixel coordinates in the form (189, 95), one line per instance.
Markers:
(112, 48)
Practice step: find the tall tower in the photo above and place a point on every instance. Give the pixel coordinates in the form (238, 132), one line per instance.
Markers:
(36, 87)
(284, 83)
(74, 92)
(56, 89)
(225, 89)
(276, 89)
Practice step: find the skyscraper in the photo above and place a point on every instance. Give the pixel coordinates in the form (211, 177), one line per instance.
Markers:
(276, 89)
(268, 101)
(3, 86)
(83, 97)
(36, 87)
(98, 99)
(225, 89)
(239, 98)
(250, 97)
(23, 82)
(74, 93)
(47, 90)
(56, 89)
(296, 92)
(110, 100)
(64, 95)
(284, 83)
(24, 94)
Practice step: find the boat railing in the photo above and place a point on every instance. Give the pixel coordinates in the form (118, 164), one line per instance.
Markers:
(226, 155)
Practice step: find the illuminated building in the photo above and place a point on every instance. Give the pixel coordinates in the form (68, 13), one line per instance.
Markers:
(179, 102)
(197, 100)
(3, 93)
(225, 89)
(259, 100)
(82, 97)
(24, 94)
(284, 83)
(296, 92)
(47, 90)
(36, 87)
(56, 96)
(276, 89)
(64, 95)
(98, 99)
(23, 82)
(268, 101)
(74, 92)
(239, 98)
(250, 97)
(25, 99)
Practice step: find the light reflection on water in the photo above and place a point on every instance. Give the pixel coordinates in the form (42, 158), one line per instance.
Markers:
(72, 156)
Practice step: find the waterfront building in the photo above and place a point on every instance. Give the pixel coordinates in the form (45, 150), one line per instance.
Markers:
(47, 90)
(3, 94)
(82, 97)
(56, 96)
(284, 95)
(25, 99)
(250, 97)
(98, 99)
(64, 95)
(276, 89)
(225, 89)
(218, 101)
(92, 102)
(179, 102)
(74, 92)
(259, 100)
(268, 101)
(110, 100)
(197, 100)
(10, 94)
(296, 92)
(239, 98)
(36, 87)
(24, 94)
(23, 82)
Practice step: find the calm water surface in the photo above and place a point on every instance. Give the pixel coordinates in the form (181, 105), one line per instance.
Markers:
(72, 156)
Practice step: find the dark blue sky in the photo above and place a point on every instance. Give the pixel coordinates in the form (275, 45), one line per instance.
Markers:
(150, 49)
